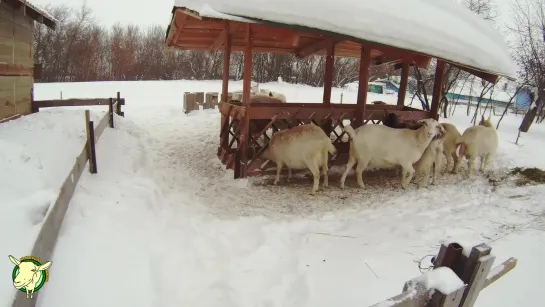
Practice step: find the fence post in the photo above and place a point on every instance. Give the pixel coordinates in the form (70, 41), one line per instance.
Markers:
(118, 106)
(111, 112)
(90, 143)
(476, 270)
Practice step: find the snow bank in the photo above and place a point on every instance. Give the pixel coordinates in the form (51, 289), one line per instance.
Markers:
(36, 154)
(417, 25)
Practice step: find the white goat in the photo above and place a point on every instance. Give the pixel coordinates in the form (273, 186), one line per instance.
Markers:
(432, 157)
(28, 275)
(477, 141)
(274, 95)
(304, 146)
(450, 143)
(380, 146)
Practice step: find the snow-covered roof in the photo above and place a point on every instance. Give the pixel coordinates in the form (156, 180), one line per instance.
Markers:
(440, 28)
(34, 11)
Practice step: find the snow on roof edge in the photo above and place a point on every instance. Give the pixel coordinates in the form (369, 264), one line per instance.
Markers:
(496, 61)
(40, 10)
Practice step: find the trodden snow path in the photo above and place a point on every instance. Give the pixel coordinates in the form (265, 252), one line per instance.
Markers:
(163, 223)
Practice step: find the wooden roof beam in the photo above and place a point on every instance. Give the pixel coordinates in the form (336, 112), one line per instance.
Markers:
(386, 60)
(220, 40)
(483, 75)
(176, 27)
(313, 48)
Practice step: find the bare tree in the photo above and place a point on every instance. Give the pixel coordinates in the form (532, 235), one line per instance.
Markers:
(528, 31)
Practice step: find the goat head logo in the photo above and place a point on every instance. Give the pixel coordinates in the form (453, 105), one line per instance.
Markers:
(29, 274)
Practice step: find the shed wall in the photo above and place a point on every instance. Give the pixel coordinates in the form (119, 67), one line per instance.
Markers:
(17, 58)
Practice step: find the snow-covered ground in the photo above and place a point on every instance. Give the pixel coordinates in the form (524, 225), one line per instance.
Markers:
(163, 224)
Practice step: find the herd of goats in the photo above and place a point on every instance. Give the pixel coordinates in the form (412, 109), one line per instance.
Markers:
(416, 146)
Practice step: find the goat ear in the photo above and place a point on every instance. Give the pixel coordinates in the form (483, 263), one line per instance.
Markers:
(44, 266)
(14, 260)
(423, 122)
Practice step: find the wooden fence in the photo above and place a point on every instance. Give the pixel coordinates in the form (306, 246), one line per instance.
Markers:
(193, 101)
(118, 101)
(47, 237)
(474, 272)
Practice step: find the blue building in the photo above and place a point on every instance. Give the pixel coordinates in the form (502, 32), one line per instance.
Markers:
(523, 99)
(389, 85)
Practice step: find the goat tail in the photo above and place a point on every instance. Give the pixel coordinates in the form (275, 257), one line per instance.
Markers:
(330, 148)
(460, 149)
(350, 131)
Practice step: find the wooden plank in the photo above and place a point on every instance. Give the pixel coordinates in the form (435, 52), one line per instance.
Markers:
(499, 271)
(16, 116)
(111, 113)
(448, 255)
(315, 47)
(453, 299)
(477, 280)
(13, 52)
(6, 27)
(22, 34)
(485, 76)
(15, 69)
(70, 102)
(21, 20)
(7, 83)
(90, 145)
(23, 100)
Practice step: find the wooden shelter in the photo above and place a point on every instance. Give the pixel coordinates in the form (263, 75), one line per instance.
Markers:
(246, 127)
(17, 69)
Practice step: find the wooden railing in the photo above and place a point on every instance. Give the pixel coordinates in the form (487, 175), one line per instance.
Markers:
(264, 119)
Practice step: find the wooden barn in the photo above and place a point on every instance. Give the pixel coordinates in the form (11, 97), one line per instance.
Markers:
(17, 68)
(279, 27)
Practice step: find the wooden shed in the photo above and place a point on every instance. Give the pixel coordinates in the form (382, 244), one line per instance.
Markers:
(377, 32)
(17, 69)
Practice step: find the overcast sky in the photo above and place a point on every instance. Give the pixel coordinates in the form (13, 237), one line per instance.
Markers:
(149, 12)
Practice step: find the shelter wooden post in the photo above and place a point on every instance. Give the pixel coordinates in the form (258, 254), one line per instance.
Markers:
(224, 134)
(328, 80)
(437, 89)
(363, 85)
(245, 122)
(403, 86)
(328, 74)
